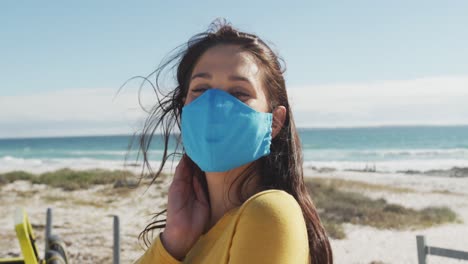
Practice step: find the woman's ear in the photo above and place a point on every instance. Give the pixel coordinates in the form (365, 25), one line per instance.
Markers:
(279, 115)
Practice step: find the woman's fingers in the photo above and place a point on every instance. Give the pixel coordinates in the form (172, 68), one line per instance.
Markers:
(183, 171)
(187, 210)
(199, 193)
(180, 168)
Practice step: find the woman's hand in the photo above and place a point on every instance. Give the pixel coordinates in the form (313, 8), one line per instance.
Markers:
(187, 212)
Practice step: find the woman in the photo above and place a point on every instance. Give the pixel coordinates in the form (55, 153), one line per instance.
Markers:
(238, 194)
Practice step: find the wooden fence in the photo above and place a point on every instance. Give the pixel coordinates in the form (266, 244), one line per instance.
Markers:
(424, 250)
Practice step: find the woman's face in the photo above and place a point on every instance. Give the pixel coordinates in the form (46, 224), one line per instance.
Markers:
(228, 68)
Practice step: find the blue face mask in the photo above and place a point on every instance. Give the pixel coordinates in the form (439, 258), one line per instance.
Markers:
(220, 133)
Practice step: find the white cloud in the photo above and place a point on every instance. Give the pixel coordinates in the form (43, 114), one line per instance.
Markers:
(70, 112)
(80, 104)
(440, 100)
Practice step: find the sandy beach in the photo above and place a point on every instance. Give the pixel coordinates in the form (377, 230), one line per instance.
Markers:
(83, 217)
(366, 244)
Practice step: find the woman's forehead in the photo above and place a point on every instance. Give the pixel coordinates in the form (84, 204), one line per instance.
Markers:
(228, 59)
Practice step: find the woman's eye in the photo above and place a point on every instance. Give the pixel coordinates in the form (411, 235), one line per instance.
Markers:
(199, 90)
(241, 95)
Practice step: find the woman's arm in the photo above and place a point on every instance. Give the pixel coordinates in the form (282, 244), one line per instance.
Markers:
(157, 254)
(271, 229)
(187, 214)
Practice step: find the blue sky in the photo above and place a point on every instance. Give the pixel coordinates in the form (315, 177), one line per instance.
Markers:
(367, 50)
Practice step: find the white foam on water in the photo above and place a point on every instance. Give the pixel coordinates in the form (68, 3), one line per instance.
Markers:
(389, 166)
(385, 154)
(36, 166)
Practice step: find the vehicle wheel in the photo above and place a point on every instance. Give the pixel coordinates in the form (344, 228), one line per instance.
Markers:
(54, 257)
(58, 245)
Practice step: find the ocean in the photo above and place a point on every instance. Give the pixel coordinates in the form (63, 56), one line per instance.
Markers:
(387, 149)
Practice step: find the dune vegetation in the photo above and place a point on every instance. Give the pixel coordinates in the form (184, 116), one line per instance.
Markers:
(338, 201)
(69, 179)
(337, 206)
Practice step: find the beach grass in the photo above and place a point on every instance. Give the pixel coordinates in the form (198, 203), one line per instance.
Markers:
(334, 230)
(365, 186)
(338, 201)
(72, 180)
(12, 176)
(352, 184)
(68, 179)
(337, 207)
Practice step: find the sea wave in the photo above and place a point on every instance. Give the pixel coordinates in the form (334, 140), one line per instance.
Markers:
(100, 152)
(36, 165)
(73, 154)
(405, 166)
(384, 154)
(10, 163)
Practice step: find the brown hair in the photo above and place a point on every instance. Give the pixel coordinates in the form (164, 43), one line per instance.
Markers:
(281, 169)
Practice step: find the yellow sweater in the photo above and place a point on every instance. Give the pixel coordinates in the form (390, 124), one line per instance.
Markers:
(268, 228)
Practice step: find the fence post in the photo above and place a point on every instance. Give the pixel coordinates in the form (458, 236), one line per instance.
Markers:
(48, 229)
(421, 244)
(116, 240)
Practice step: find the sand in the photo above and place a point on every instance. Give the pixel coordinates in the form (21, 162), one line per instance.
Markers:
(83, 218)
(366, 244)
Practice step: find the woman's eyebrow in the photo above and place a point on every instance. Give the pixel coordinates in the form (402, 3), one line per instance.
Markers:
(206, 75)
(202, 75)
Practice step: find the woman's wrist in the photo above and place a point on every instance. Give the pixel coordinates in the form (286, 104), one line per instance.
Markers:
(173, 246)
